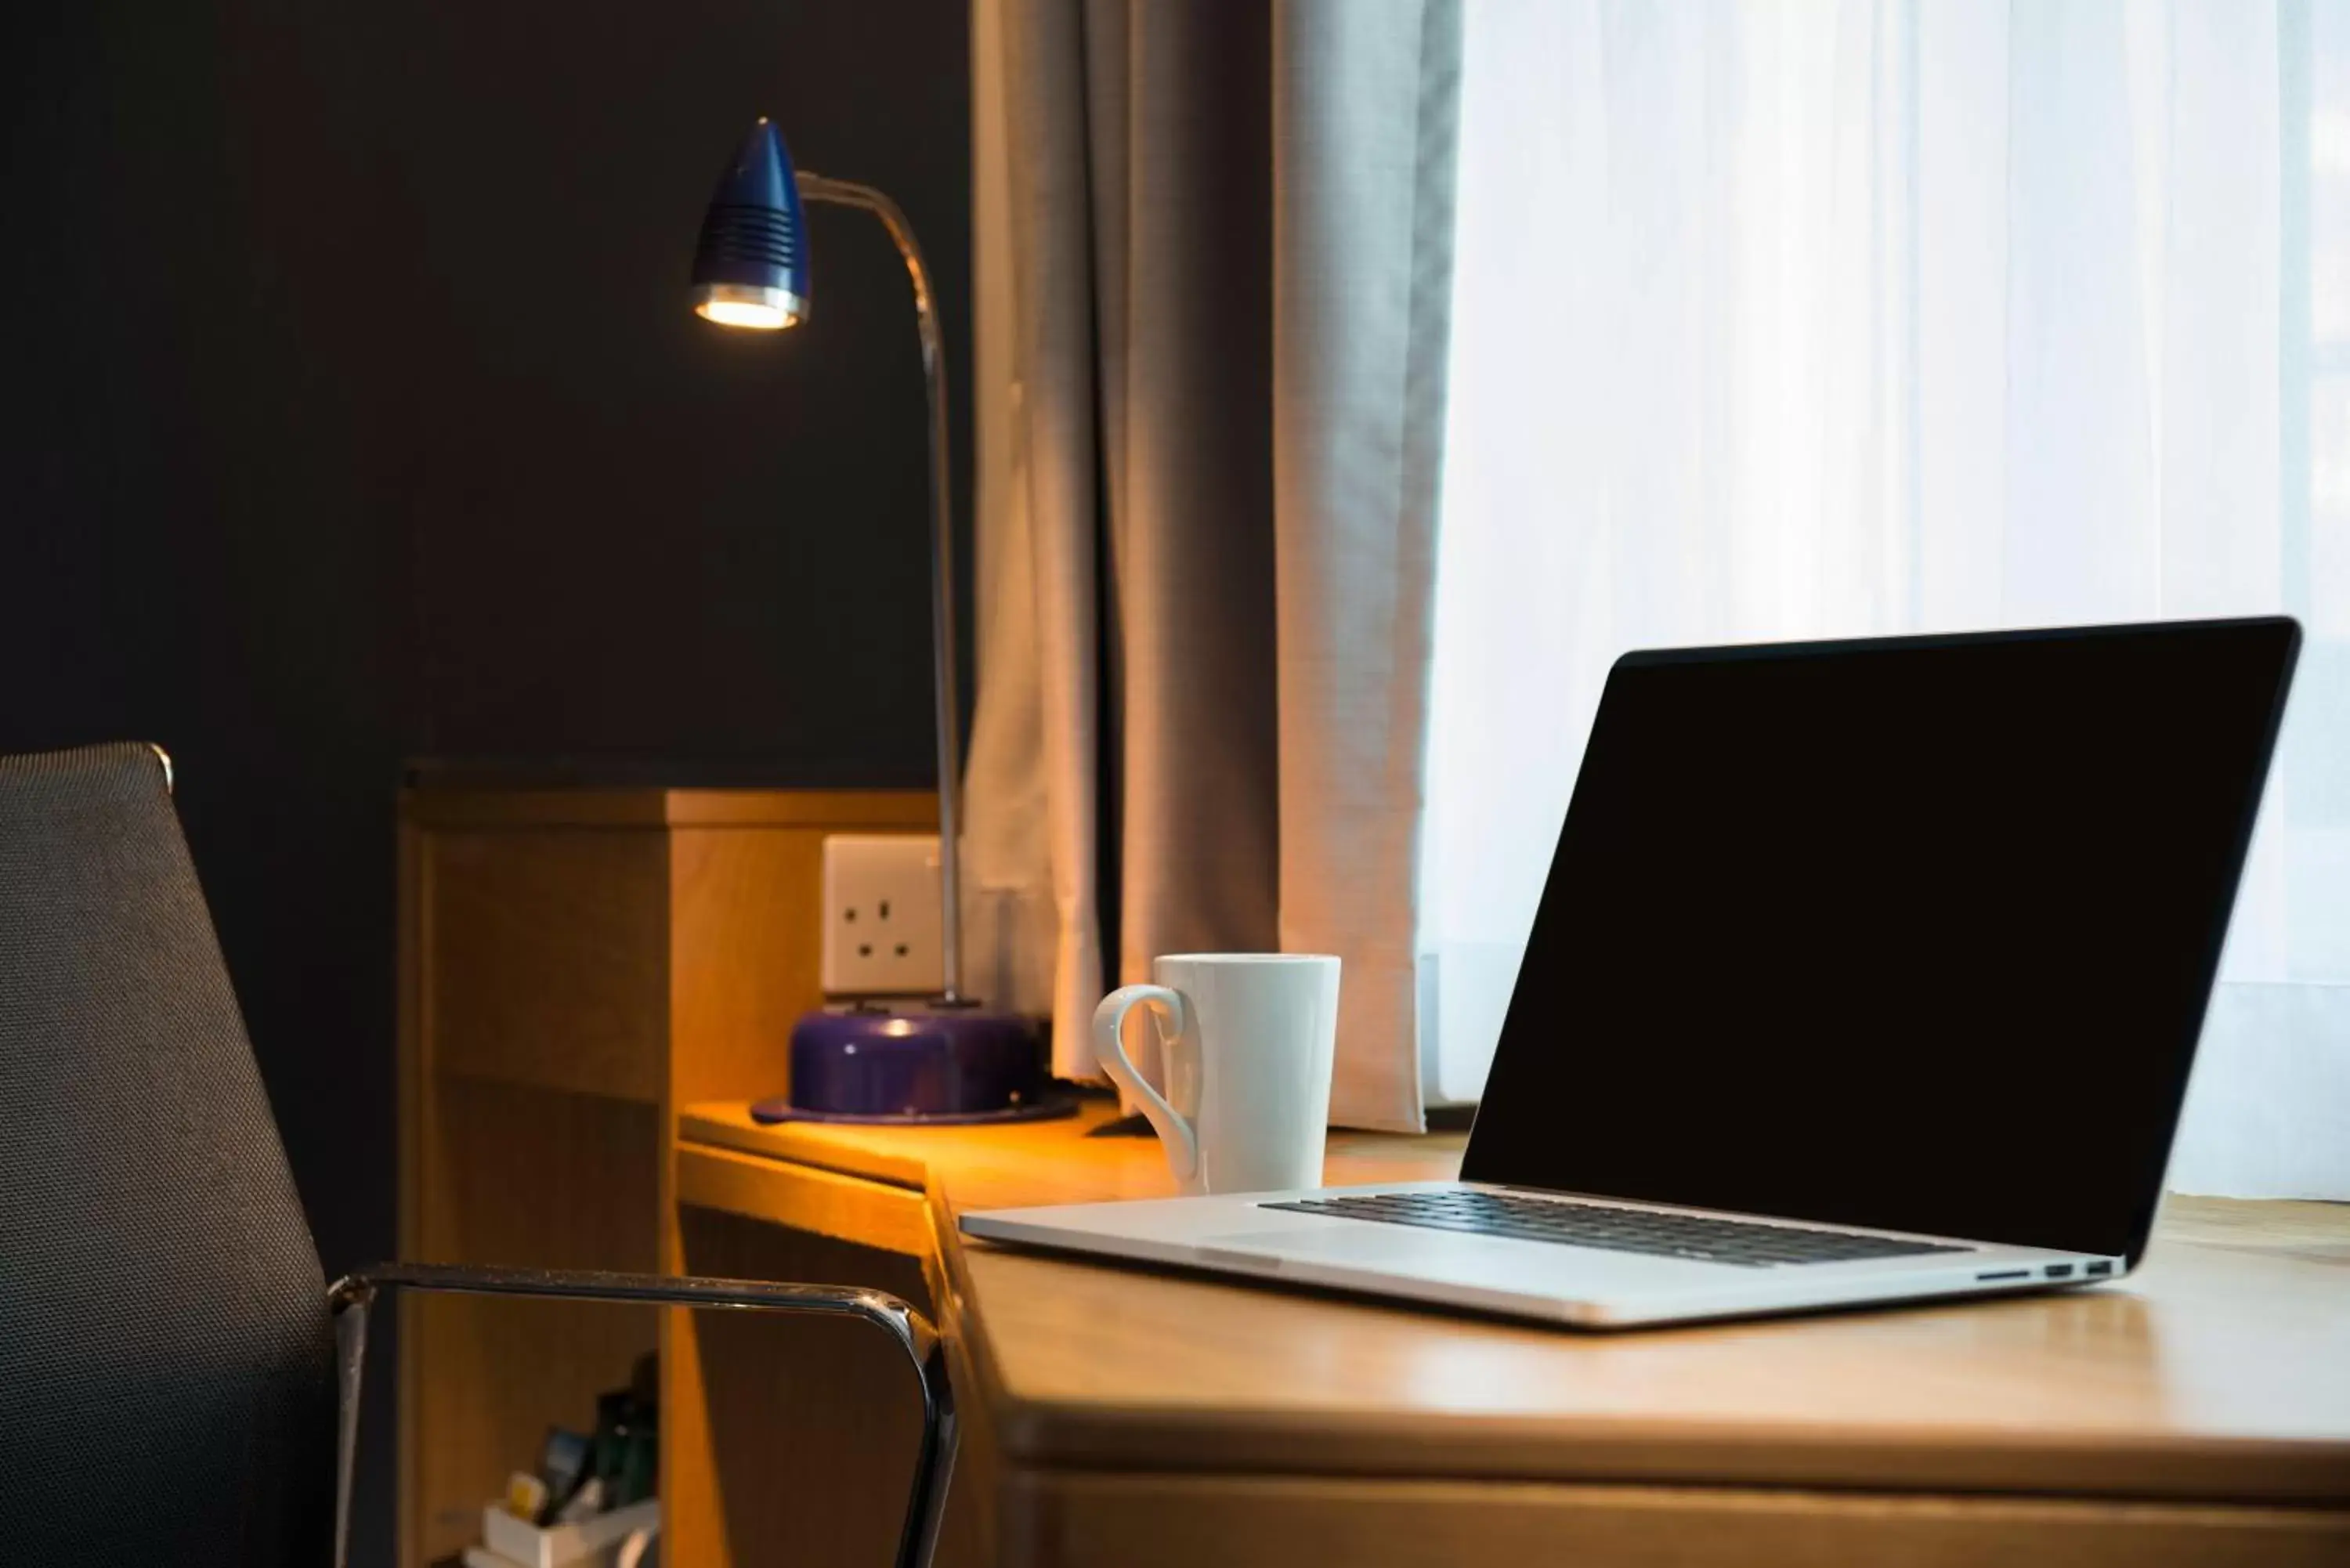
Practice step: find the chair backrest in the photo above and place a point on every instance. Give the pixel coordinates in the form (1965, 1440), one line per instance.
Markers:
(166, 1360)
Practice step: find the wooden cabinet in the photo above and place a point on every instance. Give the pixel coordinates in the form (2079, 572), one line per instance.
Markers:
(574, 964)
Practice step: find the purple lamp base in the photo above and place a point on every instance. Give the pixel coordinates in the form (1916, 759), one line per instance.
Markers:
(928, 1065)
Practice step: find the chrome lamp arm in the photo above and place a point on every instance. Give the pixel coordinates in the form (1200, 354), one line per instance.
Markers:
(352, 1296)
(849, 193)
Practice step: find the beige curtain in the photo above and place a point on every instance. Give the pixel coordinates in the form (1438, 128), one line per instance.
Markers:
(1212, 269)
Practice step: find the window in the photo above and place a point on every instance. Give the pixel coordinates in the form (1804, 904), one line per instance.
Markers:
(1777, 319)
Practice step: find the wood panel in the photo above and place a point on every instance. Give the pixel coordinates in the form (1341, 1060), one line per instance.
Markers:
(528, 1178)
(1077, 1521)
(573, 962)
(537, 810)
(824, 810)
(745, 956)
(805, 1198)
(411, 944)
(971, 1534)
(746, 906)
(804, 1448)
(746, 912)
(438, 809)
(550, 959)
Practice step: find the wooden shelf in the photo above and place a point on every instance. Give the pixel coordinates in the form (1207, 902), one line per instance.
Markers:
(574, 965)
(808, 1198)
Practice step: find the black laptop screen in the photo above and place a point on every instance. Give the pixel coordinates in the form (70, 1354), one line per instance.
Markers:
(1915, 934)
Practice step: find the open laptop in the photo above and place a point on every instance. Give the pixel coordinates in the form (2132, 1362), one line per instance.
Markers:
(1866, 971)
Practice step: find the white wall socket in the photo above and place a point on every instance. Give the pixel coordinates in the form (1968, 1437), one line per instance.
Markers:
(881, 935)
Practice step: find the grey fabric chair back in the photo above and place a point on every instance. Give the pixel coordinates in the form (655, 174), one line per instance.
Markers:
(166, 1360)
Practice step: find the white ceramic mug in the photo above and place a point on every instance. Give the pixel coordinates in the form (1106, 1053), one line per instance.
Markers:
(1247, 1041)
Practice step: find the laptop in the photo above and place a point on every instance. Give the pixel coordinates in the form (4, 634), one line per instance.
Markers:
(1866, 971)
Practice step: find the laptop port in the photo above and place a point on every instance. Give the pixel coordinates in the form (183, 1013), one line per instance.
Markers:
(2059, 1271)
(2007, 1275)
(2094, 1269)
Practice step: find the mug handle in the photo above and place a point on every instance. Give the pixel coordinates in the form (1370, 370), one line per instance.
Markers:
(1182, 1144)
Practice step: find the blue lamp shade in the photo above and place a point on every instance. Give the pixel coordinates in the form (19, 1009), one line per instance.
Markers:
(751, 266)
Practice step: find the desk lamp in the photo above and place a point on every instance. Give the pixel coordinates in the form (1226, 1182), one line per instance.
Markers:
(946, 1058)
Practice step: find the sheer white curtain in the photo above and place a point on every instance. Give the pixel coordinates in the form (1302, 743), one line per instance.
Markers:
(1782, 318)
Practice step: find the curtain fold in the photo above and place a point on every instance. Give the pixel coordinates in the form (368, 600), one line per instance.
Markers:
(1212, 277)
(1029, 849)
(1182, 135)
(1366, 122)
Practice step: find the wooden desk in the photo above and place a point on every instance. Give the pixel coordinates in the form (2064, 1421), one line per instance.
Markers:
(2198, 1412)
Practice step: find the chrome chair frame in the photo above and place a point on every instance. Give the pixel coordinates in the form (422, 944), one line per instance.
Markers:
(351, 1298)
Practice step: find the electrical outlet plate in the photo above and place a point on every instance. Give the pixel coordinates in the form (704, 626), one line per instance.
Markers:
(881, 935)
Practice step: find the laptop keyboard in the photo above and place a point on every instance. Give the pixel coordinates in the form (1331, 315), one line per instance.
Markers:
(1568, 1223)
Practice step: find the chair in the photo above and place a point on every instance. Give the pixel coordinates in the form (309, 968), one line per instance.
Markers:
(168, 1348)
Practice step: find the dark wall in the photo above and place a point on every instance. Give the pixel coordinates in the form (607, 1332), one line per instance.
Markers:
(353, 413)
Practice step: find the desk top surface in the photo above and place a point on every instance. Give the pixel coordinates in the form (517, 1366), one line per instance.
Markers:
(2220, 1370)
